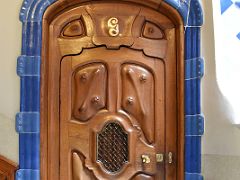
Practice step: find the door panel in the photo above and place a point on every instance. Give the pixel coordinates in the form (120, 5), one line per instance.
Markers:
(138, 97)
(89, 96)
(117, 93)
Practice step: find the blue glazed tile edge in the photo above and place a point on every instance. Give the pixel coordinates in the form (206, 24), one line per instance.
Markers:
(194, 68)
(27, 174)
(28, 122)
(193, 176)
(28, 68)
(194, 125)
(28, 65)
(190, 10)
(31, 15)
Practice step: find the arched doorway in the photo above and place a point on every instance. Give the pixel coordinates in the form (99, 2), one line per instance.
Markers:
(186, 16)
(112, 92)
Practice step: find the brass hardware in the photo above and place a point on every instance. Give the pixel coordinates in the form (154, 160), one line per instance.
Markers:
(146, 159)
(143, 78)
(113, 27)
(84, 77)
(95, 100)
(159, 157)
(130, 100)
(170, 157)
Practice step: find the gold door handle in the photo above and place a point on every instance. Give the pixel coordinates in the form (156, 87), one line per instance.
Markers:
(146, 159)
(170, 157)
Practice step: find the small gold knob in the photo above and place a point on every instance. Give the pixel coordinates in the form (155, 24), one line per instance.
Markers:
(170, 157)
(146, 159)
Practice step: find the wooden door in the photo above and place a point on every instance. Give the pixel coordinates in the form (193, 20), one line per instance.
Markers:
(117, 92)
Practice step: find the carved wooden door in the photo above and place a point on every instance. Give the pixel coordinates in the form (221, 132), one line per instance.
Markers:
(117, 93)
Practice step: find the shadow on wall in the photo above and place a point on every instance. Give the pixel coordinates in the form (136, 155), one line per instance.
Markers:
(221, 138)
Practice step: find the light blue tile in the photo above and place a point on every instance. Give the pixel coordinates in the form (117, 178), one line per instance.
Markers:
(28, 66)
(238, 35)
(225, 4)
(28, 122)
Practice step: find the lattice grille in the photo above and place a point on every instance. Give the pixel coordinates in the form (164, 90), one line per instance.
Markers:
(112, 149)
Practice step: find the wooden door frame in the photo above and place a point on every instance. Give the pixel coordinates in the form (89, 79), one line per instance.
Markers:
(35, 97)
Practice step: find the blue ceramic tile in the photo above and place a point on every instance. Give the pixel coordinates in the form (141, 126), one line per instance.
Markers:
(24, 9)
(193, 154)
(32, 36)
(192, 96)
(237, 4)
(189, 176)
(184, 10)
(225, 4)
(29, 147)
(27, 174)
(194, 68)
(28, 122)
(36, 10)
(28, 66)
(194, 125)
(195, 14)
(173, 3)
(30, 93)
(238, 35)
(192, 42)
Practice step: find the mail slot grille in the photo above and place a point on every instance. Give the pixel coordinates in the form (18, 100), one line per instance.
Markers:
(112, 147)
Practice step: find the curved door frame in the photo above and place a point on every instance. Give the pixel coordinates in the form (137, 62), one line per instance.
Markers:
(32, 106)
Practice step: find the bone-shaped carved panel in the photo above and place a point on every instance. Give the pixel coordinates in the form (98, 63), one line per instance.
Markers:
(89, 91)
(138, 97)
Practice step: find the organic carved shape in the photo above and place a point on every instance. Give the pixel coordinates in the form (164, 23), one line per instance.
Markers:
(89, 92)
(138, 97)
(152, 31)
(112, 147)
(73, 29)
(79, 171)
(142, 177)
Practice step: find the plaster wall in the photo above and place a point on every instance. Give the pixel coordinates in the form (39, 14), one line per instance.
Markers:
(10, 45)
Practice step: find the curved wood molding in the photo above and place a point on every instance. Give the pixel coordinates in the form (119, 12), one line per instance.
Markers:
(7, 169)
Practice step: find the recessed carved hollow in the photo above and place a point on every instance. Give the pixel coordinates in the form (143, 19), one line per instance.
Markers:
(74, 29)
(112, 147)
(152, 31)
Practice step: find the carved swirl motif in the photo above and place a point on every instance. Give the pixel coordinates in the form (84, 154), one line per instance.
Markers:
(113, 27)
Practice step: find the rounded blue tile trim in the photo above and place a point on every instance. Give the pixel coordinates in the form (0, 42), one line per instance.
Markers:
(28, 68)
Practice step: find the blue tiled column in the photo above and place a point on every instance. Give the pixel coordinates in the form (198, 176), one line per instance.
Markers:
(28, 69)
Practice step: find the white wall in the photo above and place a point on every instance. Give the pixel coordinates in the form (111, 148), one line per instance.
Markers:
(221, 137)
(10, 43)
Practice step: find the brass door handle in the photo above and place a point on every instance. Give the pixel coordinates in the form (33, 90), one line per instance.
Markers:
(146, 159)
